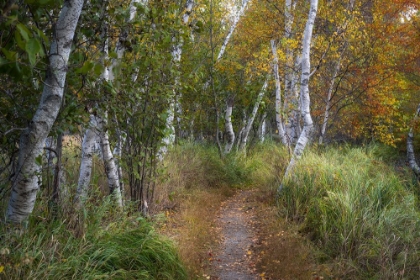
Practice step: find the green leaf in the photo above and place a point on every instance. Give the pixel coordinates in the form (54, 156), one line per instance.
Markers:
(45, 2)
(38, 160)
(87, 66)
(3, 61)
(98, 69)
(33, 47)
(24, 31)
(19, 40)
(10, 55)
(42, 35)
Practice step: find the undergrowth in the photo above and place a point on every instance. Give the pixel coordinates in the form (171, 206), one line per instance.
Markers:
(98, 243)
(358, 210)
(356, 205)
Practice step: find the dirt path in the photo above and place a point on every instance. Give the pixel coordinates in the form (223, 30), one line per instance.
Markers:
(232, 261)
(256, 245)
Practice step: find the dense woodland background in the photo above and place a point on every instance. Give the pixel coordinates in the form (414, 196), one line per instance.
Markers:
(134, 83)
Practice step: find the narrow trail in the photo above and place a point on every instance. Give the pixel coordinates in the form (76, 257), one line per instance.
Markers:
(233, 260)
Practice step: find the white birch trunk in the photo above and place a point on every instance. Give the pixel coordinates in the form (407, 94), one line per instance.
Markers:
(230, 134)
(27, 180)
(241, 131)
(169, 139)
(111, 169)
(263, 127)
(290, 106)
(121, 137)
(120, 47)
(232, 28)
(410, 148)
(304, 91)
(251, 119)
(279, 119)
(85, 173)
(328, 100)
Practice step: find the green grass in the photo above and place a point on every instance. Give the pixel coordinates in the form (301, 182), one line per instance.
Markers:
(358, 210)
(358, 206)
(98, 243)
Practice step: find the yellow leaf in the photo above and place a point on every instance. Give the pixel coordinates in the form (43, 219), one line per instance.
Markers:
(1, 268)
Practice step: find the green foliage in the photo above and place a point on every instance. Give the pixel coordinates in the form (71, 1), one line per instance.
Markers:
(358, 210)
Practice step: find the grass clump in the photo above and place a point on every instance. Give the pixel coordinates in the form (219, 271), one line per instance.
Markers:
(358, 210)
(119, 247)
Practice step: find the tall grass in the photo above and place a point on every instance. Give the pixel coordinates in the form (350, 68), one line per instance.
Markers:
(358, 210)
(100, 244)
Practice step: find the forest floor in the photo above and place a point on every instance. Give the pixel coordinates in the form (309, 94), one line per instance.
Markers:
(239, 236)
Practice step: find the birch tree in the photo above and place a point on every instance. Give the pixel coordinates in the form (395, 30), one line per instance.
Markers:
(98, 125)
(304, 91)
(26, 182)
(230, 134)
(251, 118)
(88, 150)
(278, 107)
(410, 147)
(229, 103)
(337, 68)
(291, 95)
(169, 139)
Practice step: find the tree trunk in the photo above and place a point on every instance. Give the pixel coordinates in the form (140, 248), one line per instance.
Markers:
(232, 28)
(111, 169)
(262, 130)
(252, 117)
(291, 104)
(230, 134)
(332, 84)
(121, 137)
(169, 139)
(304, 91)
(328, 100)
(88, 150)
(27, 180)
(241, 131)
(58, 172)
(410, 148)
(279, 120)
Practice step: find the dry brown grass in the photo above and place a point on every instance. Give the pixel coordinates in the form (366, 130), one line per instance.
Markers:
(191, 224)
(281, 251)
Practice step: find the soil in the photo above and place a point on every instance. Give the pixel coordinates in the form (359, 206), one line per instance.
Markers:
(232, 261)
(255, 244)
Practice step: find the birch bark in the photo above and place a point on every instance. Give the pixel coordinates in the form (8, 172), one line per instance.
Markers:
(410, 148)
(232, 28)
(111, 169)
(262, 130)
(328, 100)
(169, 139)
(230, 134)
(304, 91)
(26, 182)
(88, 150)
(279, 119)
(291, 96)
(98, 129)
(251, 119)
